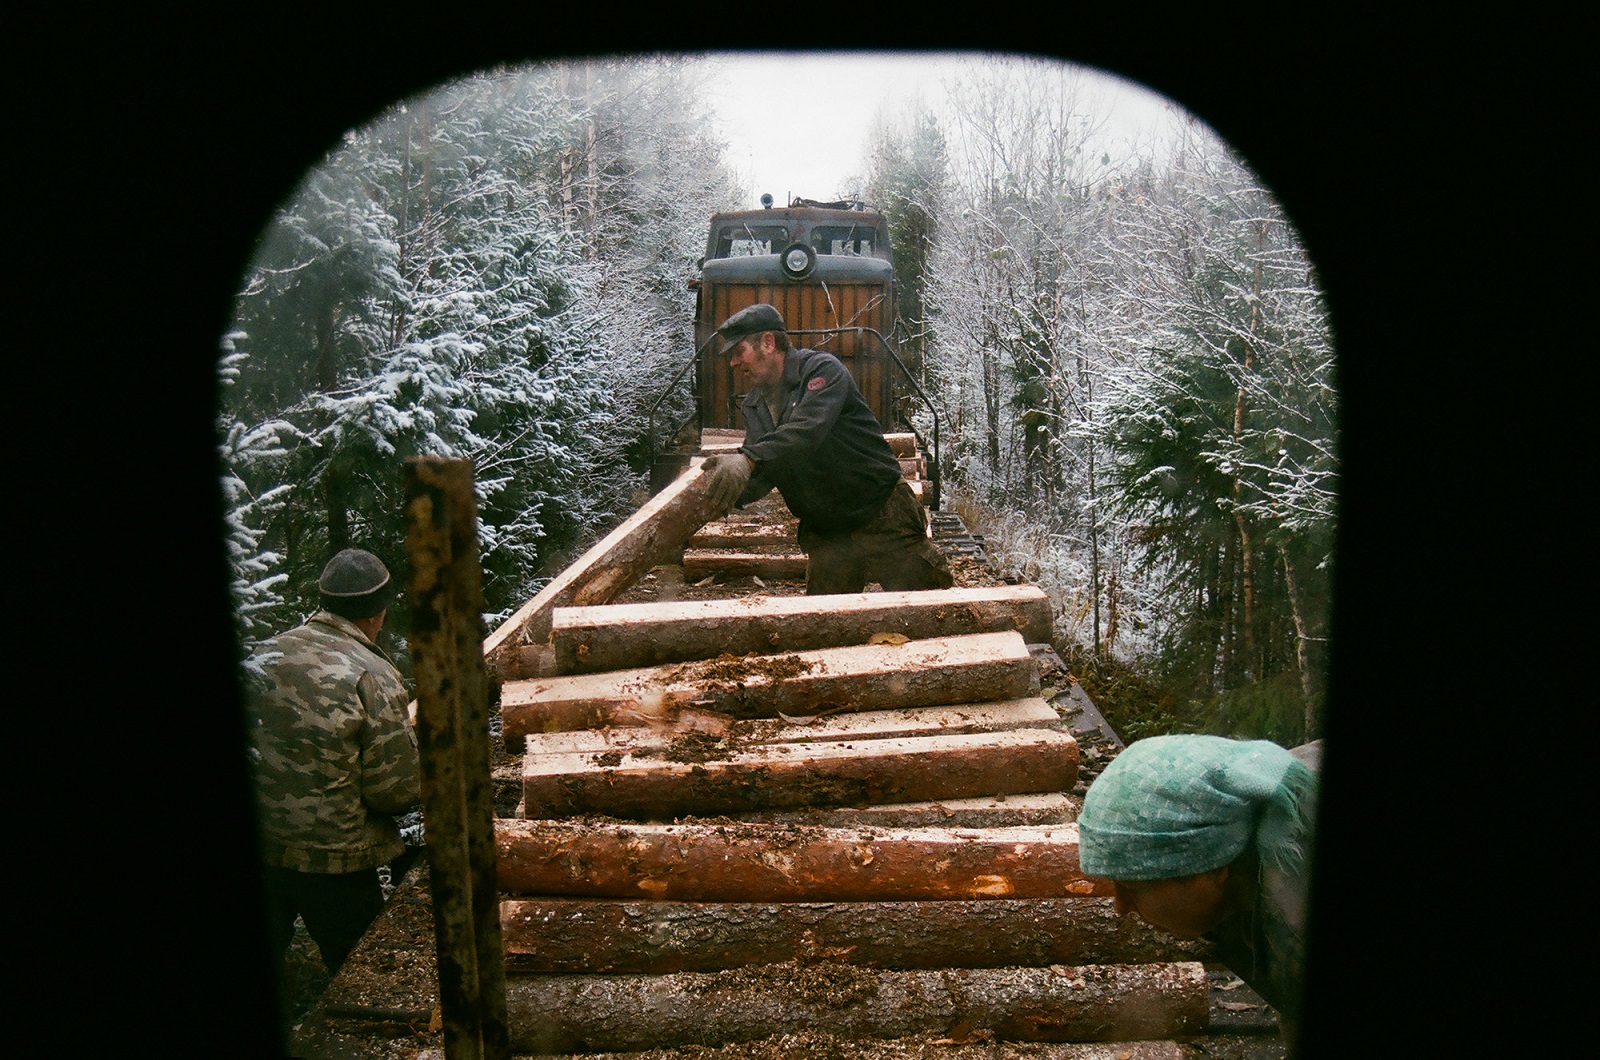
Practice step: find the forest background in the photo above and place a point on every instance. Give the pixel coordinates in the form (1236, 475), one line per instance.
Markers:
(1130, 350)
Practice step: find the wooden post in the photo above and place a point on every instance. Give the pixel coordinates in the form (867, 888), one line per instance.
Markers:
(453, 737)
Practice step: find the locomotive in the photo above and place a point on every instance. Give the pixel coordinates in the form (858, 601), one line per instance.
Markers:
(828, 267)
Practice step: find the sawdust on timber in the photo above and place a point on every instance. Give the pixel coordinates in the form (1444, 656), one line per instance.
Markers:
(737, 669)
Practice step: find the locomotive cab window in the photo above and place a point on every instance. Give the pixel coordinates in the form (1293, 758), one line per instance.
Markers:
(738, 241)
(843, 239)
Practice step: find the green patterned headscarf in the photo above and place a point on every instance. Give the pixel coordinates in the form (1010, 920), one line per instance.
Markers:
(1172, 806)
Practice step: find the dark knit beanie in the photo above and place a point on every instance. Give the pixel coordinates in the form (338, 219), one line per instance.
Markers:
(355, 585)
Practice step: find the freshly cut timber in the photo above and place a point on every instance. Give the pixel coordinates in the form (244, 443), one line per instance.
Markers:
(902, 443)
(921, 673)
(919, 1046)
(736, 862)
(998, 716)
(574, 935)
(599, 1013)
(624, 636)
(650, 785)
(742, 535)
(1031, 713)
(789, 566)
(652, 535)
(720, 440)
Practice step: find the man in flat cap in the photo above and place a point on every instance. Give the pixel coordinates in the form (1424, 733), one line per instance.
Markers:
(810, 433)
(335, 761)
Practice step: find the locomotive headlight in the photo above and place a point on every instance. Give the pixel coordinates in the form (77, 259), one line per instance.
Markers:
(798, 261)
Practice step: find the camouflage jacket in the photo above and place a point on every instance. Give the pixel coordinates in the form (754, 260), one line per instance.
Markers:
(334, 755)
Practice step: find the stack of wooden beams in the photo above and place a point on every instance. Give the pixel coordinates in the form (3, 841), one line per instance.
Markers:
(756, 816)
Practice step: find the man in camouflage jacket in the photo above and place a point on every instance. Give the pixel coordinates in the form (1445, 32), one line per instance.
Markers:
(335, 760)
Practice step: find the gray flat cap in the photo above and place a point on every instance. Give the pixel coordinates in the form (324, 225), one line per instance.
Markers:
(353, 572)
(752, 320)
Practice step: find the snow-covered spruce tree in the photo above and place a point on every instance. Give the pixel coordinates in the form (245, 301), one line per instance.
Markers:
(255, 585)
(310, 316)
(416, 297)
(641, 181)
(502, 338)
(452, 280)
(1223, 426)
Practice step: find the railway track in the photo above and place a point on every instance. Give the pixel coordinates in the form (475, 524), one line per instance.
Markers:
(737, 821)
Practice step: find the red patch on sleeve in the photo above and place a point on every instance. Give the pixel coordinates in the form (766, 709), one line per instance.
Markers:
(816, 383)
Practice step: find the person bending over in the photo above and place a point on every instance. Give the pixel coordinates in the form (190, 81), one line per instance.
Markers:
(1207, 836)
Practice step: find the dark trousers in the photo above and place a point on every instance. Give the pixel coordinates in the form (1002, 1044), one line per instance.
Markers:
(892, 549)
(337, 908)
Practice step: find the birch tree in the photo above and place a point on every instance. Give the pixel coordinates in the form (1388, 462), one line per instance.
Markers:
(1140, 377)
(1029, 210)
(1029, 316)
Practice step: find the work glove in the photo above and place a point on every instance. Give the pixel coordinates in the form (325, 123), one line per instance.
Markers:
(727, 474)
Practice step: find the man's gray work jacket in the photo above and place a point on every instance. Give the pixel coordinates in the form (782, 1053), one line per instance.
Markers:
(826, 453)
(335, 756)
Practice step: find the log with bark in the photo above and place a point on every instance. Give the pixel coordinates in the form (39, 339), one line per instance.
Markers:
(739, 862)
(902, 443)
(939, 671)
(587, 1013)
(628, 636)
(708, 778)
(989, 811)
(575, 935)
(938, 1045)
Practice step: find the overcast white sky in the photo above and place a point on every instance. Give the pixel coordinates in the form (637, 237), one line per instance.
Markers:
(797, 123)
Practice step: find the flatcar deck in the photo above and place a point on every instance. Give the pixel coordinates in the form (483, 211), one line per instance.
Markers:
(858, 866)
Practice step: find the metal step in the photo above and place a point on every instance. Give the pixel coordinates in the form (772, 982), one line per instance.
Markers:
(953, 538)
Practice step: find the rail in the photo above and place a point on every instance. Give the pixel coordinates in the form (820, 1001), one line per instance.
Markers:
(934, 474)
